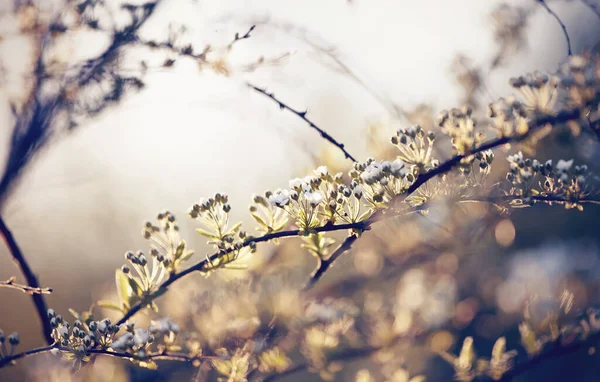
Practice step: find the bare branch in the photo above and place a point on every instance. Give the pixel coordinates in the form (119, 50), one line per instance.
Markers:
(159, 356)
(11, 283)
(38, 299)
(562, 25)
(239, 38)
(593, 7)
(302, 115)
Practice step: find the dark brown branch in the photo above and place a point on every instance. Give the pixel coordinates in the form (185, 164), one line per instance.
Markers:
(562, 25)
(302, 115)
(38, 299)
(445, 167)
(162, 356)
(325, 264)
(11, 283)
(237, 36)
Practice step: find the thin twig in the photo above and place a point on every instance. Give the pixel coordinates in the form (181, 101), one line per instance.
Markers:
(163, 356)
(302, 115)
(38, 299)
(237, 36)
(593, 7)
(11, 283)
(562, 25)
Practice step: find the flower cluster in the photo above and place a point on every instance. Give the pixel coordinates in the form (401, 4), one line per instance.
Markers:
(167, 247)
(580, 79)
(539, 91)
(416, 147)
(534, 181)
(459, 125)
(229, 240)
(508, 116)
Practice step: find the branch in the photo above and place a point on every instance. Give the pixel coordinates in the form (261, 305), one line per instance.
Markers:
(556, 352)
(421, 179)
(164, 356)
(32, 281)
(11, 283)
(302, 115)
(593, 7)
(562, 25)
(238, 38)
(325, 264)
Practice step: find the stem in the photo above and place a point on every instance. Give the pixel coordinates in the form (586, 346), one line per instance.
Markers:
(38, 299)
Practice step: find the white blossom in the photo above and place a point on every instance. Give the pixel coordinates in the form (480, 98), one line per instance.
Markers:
(280, 198)
(563, 165)
(314, 197)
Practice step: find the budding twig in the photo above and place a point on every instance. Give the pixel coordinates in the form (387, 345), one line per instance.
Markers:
(11, 283)
(302, 115)
(562, 25)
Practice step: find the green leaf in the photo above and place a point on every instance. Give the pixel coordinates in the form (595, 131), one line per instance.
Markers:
(207, 234)
(186, 256)
(123, 288)
(259, 220)
(135, 287)
(180, 249)
(234, 229)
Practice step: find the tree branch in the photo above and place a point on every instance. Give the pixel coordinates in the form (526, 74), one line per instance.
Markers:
(11, 283)
(302, 115)
(593, 7)
(38, 299)
(421, 179)
(164, 356)
(562, 25)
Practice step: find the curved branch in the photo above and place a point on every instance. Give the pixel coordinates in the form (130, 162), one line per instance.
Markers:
(302, 115)
(562, 25)
(421, 179)
(162, 356)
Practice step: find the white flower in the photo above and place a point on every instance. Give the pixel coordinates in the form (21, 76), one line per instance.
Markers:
(563, 165)
(123, 342)
(280, 198)
(164, 325)
(296, 183)
(396, 166)
(314, 197)
(322, 171)
(141, 336)
(63, 331)
(358, 192)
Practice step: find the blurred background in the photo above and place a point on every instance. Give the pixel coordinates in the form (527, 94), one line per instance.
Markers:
(362, 69)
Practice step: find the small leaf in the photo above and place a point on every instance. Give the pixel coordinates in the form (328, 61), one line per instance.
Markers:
(259, 220)
(123, 288)
(207, 234)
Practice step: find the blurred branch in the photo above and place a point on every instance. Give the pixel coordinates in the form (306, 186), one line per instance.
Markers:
(38, 299)
(556, 352)
(239, 38)
(159, 356)
(364, 225)
(11, 283)
(325, 264)
(562, 25)
(593, 7)
(302, 115)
